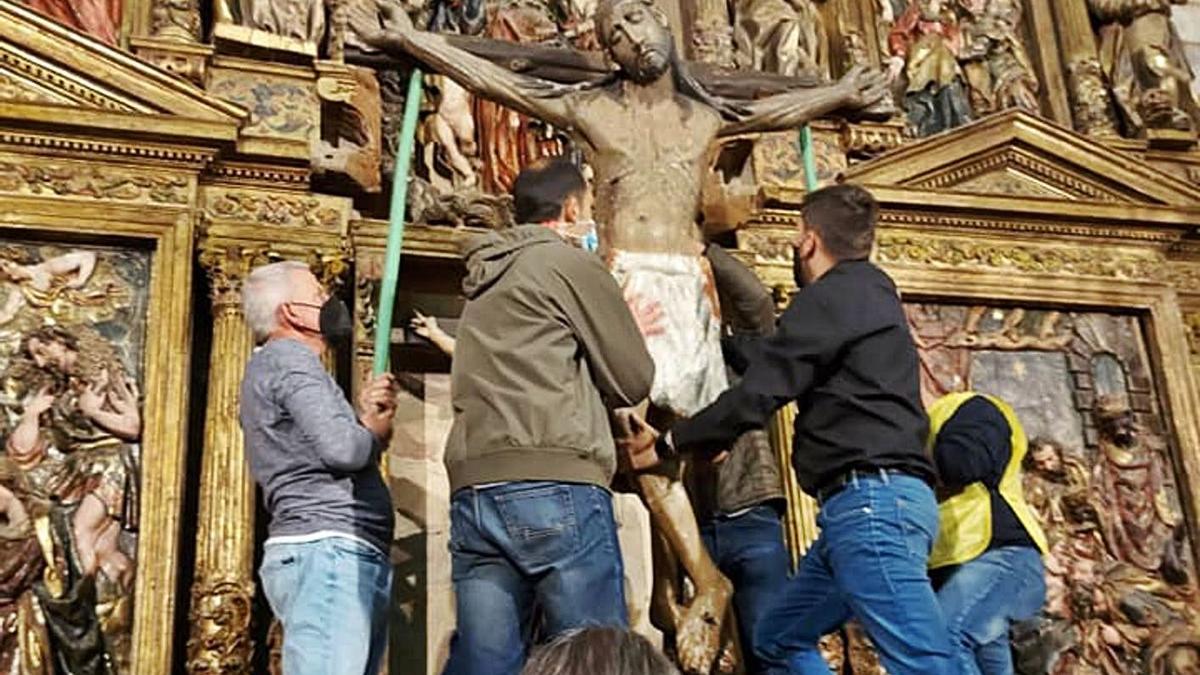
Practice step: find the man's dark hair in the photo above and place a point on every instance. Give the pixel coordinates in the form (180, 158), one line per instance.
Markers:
(540, 191)
(598, 651)
(843, 216)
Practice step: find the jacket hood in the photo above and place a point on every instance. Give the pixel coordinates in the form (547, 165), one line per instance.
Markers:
(488, 256)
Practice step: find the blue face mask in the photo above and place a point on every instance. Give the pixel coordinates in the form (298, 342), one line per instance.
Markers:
(590, 242)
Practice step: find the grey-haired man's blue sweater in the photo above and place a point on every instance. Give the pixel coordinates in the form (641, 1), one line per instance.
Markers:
(317, 465)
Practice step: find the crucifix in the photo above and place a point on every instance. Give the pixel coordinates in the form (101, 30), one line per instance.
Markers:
(648, 122)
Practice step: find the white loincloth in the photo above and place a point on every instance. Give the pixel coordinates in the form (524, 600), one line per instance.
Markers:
(689, 371)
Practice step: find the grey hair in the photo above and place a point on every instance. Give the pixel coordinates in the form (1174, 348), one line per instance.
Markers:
(264, 291)
(598, 650)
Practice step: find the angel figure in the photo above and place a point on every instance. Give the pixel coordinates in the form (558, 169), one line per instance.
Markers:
(56, 287)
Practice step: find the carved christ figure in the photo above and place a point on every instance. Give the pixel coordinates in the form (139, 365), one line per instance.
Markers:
(648, 132)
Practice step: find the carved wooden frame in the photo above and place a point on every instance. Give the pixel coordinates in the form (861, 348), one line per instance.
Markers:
(1153, 301)
(167, 231)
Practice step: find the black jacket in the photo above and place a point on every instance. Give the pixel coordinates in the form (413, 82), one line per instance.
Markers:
(843, 352)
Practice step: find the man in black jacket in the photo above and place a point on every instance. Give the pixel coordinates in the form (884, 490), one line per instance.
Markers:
(843, 352)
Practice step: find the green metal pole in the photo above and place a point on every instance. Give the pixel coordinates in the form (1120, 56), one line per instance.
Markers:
(395, 242)
(810, 162)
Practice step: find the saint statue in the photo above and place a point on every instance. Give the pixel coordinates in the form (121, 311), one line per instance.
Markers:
(1143, 60)
(1139, 521)
(925, 44)
(997, 68)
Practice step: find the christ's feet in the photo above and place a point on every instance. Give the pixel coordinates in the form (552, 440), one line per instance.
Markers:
(698, 634)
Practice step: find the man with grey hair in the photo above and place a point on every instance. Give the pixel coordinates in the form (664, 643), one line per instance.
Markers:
(326, 570)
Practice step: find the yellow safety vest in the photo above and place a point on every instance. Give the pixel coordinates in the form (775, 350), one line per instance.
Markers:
(965, 520)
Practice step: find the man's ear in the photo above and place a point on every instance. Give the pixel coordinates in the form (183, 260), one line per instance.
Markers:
(285, 315)
(810, 243)
(570, 209)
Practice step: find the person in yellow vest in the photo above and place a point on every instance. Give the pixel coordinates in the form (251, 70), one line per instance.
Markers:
(986, 563)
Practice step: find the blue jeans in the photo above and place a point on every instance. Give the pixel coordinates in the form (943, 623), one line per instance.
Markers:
(868, 563)
(331, 595)
(523, 545)
(750, 550)
(982, 599)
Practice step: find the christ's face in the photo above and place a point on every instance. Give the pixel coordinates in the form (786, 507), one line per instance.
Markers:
(638, 39)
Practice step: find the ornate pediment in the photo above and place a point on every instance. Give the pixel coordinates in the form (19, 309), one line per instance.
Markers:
(45, 67)
(1019, 155)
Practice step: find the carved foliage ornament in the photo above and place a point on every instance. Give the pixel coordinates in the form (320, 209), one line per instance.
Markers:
(1027, 259)
(227, 266)
(1192, 321)
(275, 210)
(1184, 276)
(92, 181)
(280, 107)
(220, 618)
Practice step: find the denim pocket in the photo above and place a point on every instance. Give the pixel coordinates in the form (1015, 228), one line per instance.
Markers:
(853, 503)
(540, 522)
(357, 549)
(279, 573)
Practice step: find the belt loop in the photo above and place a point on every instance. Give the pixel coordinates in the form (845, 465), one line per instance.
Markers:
(475, 504)
(854, 478)
(883, 475)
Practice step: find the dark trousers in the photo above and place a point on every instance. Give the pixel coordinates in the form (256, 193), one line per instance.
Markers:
(749, 549)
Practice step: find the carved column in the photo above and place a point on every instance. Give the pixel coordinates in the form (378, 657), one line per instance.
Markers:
(800, 521)
(223, 589)
(1091, 106)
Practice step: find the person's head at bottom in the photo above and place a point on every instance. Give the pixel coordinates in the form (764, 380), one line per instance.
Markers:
(598, 650)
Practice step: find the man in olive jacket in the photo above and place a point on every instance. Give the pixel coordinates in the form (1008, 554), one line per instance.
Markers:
(545, 347)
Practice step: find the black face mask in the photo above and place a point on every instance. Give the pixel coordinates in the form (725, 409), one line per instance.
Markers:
(336, 324)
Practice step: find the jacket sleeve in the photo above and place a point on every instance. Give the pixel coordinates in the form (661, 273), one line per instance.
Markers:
(612, 344)
(747, 302)
(809, 338)
(341, 442)
(973, 445)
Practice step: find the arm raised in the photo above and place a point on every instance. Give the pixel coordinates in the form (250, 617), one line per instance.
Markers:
(531, 96)
(858, 89)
